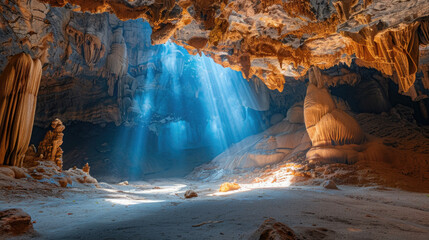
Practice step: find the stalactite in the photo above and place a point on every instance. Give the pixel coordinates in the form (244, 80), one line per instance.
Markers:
(323, 80)
(93, 49)
(19, 86)
(117, 61)
(344, 8)
(271, 39)
(390, 51)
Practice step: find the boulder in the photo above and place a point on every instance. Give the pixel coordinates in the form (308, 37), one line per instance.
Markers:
(15, 222)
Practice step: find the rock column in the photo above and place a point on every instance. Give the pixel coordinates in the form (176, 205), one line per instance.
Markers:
(19, 86)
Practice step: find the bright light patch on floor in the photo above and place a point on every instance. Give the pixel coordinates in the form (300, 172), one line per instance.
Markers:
(127, 201)
(171, 190)
(281, 178)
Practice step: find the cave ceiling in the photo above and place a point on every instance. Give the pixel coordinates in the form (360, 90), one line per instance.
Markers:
(95, 65)
(271, 39)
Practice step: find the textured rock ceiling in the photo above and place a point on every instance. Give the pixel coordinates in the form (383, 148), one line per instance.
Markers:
(271, 39)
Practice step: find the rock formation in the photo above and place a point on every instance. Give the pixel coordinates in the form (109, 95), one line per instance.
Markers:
(19, 85)
(391, 51)
(325, 123)
(86, 168)
(328, 126)
(45, 162)
(50, 148)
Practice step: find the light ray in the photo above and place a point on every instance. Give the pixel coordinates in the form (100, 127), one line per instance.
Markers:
(189, 102)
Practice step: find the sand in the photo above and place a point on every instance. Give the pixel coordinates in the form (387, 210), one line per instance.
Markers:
(158, 210)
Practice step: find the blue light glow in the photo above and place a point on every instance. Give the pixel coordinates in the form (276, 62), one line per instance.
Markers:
(186, 102)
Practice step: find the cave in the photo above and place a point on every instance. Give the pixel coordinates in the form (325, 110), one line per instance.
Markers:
(214, 119)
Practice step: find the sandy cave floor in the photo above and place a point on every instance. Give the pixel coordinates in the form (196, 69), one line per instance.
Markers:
(157, 210)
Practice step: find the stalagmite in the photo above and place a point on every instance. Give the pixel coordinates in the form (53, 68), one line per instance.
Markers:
(325, 123)
(19, 85)
(50, 148)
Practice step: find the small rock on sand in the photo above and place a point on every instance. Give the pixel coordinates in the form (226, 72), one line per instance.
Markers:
(190, 194)
(273, 230)
(124, 183)
(227, 186)
(329, 184)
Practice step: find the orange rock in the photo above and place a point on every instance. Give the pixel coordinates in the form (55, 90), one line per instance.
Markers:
(227, 186)
(86, 168)
(63, 182)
